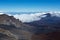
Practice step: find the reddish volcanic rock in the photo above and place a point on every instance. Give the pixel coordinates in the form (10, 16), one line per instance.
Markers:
(49, 36)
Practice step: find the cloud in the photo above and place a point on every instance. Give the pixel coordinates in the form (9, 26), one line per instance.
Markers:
(5, 13)
(33, 16)
(26, 17)
(1, 13)
(29, 17)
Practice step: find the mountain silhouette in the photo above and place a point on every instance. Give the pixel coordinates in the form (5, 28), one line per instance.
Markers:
(46, 24)
(47, 28)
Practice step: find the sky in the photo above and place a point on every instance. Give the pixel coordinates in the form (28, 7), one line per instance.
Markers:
(29, 5)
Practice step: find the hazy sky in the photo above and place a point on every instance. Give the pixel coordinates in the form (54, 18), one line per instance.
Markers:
(29, 5)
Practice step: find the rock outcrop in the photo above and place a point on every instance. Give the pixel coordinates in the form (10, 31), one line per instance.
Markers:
(7, 34)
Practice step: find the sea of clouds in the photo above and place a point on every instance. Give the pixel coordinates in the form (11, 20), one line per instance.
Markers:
(32, 17)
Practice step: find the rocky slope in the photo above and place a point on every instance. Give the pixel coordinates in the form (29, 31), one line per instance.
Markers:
(7, 35)
(13, 29)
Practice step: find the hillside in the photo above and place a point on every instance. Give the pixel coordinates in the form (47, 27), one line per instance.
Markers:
(46, 24)
(15, 27)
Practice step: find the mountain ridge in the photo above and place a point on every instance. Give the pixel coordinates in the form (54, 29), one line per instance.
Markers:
(16, 27)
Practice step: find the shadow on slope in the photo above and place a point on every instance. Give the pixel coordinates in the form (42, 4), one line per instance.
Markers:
(46, 24)
(7, 27)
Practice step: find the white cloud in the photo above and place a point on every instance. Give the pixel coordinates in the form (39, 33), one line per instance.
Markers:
(1, 13)
(10, 14)
(5, 13)
(32, 16)
(29, 17)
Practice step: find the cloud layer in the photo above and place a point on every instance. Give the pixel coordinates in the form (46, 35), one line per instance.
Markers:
(33, 16)
(28, 17)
